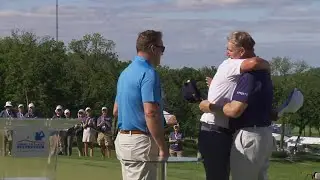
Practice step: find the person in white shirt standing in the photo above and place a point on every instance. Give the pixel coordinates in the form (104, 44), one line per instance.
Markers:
(215, 137)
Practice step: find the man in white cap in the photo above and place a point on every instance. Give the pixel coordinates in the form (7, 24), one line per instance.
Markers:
(68, 135)
(59, 115)
(104, 126)
(89, 133)
(20, 113)
(8, 111)
(67, 113)
(58, 112)
(31, 112)
(78, 128)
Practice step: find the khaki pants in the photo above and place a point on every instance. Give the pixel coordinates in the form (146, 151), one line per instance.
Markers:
(133, 151)
(175, 153)
(250, 153)
(104, 139)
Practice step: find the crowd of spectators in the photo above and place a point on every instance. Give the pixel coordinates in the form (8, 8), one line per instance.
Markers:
(88, 131)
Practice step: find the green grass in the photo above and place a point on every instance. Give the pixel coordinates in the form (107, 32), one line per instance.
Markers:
(109, 169)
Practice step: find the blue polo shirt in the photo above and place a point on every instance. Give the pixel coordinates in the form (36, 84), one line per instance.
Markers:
(138, 83)
(256, 90)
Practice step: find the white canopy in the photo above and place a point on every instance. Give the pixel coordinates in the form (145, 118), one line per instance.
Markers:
(304, 140)
(277, 137)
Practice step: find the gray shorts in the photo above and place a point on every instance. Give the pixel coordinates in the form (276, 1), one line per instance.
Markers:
(250, 152)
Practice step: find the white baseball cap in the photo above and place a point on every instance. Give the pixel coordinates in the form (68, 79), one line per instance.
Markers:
(8, 104)
(66, 111)
(104, 108)
(168, 116)
(20, 105)
(59, 107)
(88, 108)
(81, 111)
(293, 103)
(31, 105)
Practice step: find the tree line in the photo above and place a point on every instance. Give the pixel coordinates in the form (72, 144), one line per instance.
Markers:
(84, 73)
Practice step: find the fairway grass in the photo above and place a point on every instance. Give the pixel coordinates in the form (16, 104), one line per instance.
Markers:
(70, 168)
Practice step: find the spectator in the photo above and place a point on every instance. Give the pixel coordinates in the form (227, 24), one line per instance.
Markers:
(176, 139)
(89, 133)
(31, 112)
(8, 113)
(58, 112)
(79, 131)
(67, 113)
(68, 138)
(104, 126)
(62, 134)
(20, 113)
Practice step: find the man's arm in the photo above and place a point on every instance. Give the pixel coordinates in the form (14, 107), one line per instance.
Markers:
(115, 110)
(115, 115)
(234, 109)
(255, 63)
(154, 123)
(151, 98)
(240, 96)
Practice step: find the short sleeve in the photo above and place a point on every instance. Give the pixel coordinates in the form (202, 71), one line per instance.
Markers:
(244, 88)
(171, 135)
(150, 87)
(234, 67)
(116, 100)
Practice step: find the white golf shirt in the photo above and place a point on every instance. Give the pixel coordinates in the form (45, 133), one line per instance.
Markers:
(221, 90)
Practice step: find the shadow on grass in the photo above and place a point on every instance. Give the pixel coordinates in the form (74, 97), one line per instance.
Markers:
(283, 161)
(95, 165)
(305, 157)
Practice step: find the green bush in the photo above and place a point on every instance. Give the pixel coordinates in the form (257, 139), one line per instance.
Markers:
(279, 154)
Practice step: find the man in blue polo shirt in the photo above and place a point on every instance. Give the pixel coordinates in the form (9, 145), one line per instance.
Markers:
(250, 111)
(139, 108)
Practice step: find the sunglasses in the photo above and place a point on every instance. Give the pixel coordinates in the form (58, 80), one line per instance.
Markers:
(163, 48)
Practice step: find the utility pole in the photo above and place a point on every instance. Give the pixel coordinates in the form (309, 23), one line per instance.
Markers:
(57, 20)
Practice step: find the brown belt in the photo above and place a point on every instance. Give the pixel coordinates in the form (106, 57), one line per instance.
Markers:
(132, 132)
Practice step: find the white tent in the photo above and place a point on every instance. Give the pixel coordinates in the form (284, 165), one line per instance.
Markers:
(277, 137)
(303, 140)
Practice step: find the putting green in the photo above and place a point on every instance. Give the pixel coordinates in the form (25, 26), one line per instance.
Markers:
(109, 169)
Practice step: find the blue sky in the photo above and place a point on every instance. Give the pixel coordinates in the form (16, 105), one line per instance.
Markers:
(194, 30)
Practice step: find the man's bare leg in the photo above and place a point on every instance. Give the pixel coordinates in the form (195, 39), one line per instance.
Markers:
(108, 151)
(91, 149)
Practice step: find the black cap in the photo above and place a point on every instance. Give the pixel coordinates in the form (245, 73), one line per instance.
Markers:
(191, 92)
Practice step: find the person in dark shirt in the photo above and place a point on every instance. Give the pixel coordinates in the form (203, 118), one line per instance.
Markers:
(250, 114)
(104, 125)
(32, 113)
(175, 140)
(20, 113)
(78, 129)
